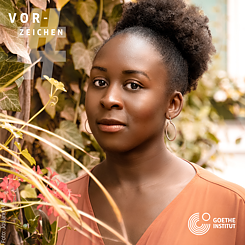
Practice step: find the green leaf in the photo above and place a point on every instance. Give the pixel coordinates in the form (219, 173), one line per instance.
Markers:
(212, 137)
(28, 156)
(12, 58)
(44, 90)
(238, 140)
(9, 100)
(3, 55)
(77, 34)
(33, 223)
(117, 12)
(44, 171)
(6, 8)
(19, 81)
(20, 4)
(109, 5)
(67, 15)
(29, 214)
(82, 57)
(87, 10)
(8, 70)
(32, 239)
(69, 131)
(46, 227)
(28, 192)
(53, 230)
(70, 74)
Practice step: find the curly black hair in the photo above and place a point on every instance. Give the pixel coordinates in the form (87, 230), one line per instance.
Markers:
(178, 31)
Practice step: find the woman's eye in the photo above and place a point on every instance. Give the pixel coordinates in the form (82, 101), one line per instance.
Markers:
(133, 86)
(100, 83)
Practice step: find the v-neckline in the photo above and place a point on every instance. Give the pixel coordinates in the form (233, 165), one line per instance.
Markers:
(150, 227)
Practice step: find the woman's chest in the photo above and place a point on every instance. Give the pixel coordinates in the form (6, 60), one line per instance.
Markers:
(139, 211)
(188, 219)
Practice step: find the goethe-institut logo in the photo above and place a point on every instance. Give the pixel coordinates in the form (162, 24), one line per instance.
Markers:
(202, 227)
(194, 228)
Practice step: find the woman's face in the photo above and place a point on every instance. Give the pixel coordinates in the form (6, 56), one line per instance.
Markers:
(126, 100)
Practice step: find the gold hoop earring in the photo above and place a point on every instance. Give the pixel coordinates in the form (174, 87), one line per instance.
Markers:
(166, 130)
(86, 127)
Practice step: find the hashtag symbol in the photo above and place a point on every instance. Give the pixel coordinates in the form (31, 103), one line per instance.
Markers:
(49, 50)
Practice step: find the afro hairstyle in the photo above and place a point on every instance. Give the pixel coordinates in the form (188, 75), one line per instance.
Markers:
(178, 31)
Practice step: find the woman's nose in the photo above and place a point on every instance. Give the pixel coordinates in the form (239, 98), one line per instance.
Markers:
(112, 98)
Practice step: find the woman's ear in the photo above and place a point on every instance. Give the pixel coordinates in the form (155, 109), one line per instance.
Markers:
(175, 105)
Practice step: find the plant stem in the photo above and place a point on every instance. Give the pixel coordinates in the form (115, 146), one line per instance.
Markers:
(10, 138)
(3, 221)
(56, 231)
(101, 12)
(74, 121)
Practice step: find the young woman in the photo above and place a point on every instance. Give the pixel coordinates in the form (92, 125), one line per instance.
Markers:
(159, 49)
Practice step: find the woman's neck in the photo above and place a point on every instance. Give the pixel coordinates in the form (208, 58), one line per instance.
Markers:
(140, 166)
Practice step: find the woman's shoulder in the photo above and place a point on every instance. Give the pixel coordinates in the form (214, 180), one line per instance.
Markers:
(79, 184)
(218, 184)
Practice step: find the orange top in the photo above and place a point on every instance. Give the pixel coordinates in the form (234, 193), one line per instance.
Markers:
(208, 211)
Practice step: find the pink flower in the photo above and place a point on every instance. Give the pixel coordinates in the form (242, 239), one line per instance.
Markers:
(38, 171)
(8, 187)
(63, 187)
(52, 173)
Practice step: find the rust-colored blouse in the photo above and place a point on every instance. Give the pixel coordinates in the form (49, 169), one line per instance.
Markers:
(208, 211)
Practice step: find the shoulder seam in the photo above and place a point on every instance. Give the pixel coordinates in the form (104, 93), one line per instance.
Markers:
(77, 179)
(223, 187)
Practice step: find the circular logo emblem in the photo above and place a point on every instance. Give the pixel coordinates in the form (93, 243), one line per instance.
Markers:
(194, 228)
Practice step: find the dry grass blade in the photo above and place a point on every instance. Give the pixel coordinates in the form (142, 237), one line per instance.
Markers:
(17, 121)
(108, 196)
(51, 199)
(32, 203)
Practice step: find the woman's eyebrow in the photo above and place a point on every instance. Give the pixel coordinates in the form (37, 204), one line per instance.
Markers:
(99, 68)
(135, 71)
(124, 72)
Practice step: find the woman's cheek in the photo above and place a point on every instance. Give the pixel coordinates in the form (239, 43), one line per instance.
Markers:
(146, 107)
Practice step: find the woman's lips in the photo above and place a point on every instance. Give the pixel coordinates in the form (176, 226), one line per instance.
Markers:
(110, 128)
(110, 125)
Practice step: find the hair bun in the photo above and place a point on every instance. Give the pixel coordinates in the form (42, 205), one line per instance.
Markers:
(184, 25)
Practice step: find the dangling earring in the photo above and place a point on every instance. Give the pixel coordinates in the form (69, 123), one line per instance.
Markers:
(86, 127)
(166, 130)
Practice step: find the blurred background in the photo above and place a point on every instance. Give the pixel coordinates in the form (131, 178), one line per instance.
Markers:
(211, 127)
(227, 22)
